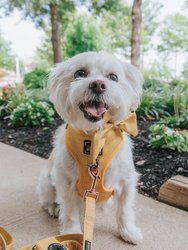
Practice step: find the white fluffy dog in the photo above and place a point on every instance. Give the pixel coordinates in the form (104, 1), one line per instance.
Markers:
(82, 90)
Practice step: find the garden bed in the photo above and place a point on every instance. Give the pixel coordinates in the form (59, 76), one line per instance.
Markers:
(155, 166)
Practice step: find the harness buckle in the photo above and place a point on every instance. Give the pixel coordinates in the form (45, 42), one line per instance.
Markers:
(93, 170)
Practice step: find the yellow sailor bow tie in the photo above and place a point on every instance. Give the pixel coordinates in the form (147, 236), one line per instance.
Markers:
(129, 125)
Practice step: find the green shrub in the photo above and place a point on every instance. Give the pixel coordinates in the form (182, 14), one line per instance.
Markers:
(153, 83)
(155, 105)
(38, 95)
(162, 136)
(36, 79)
(180, 97)
(174, 82)
(32, 113)
(10, 99)
(2, 108)
(162, 99)
(180, 122)
(84, 34)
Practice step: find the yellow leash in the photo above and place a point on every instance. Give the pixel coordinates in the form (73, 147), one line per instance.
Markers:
(6, 240)
(89, 220)
(60, 242)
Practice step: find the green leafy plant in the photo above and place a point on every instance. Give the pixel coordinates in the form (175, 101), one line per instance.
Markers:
(32, 113)
(10, 99)
(164, 99)
(155, 105)
(180, 121)
(84, 34)
(13, 97)
(162, 136)
(36, 79)
(7, 60)
(153, 83)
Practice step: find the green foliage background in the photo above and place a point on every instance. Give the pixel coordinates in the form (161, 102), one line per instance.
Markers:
(6, 58)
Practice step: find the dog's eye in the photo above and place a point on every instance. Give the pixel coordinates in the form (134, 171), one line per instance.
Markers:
(81, 73)
(113, 77)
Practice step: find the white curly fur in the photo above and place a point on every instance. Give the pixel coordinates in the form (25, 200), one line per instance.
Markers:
(57, 180)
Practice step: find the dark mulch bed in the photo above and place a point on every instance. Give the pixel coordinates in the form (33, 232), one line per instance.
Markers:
(155, 166)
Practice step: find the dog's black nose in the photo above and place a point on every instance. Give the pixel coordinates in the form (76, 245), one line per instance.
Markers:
(98, 87)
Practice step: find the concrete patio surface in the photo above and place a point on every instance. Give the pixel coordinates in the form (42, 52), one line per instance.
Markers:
(164, 227)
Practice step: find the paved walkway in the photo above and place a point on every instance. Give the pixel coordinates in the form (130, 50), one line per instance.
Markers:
(164, 227)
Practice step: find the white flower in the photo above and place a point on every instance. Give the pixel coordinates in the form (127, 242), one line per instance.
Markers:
(158, 137)
(169, 131)
(51, 112)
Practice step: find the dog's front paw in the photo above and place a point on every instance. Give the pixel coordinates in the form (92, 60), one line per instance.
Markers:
(52, 209)
(69, 228)
(131, 234)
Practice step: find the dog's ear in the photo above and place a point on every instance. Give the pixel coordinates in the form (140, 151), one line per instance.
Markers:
(135, 80)
(54, 80)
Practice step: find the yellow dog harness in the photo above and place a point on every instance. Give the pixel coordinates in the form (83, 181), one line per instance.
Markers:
(93, 153)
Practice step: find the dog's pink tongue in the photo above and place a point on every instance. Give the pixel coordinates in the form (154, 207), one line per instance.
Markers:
(95, 111)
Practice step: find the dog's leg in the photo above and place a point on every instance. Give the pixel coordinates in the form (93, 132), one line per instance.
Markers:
(125, 212)
(70, 210)
(46, 191)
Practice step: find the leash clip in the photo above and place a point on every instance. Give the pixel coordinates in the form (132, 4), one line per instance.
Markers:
(93, 170)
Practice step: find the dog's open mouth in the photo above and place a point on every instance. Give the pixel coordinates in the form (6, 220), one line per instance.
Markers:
(93, 111)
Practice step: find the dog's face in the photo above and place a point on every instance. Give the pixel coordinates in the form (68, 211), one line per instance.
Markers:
(92, 83)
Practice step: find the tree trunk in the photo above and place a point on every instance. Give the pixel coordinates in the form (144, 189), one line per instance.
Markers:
(55, 38)
(136, 32)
